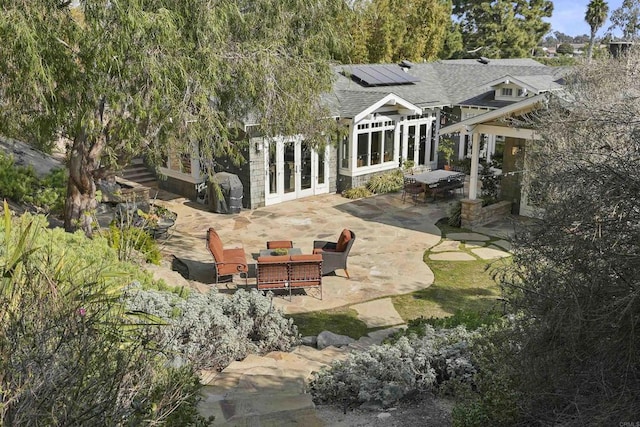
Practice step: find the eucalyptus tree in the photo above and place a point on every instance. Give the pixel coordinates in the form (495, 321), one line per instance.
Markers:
(118, 78)
(393, 30)
(596, 15)
(627, 19)
(503, 29)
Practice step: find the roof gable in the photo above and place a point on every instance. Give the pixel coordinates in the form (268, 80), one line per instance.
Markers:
(392, 100)
(535, 84)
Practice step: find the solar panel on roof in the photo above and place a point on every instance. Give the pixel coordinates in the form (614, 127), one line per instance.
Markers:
(381, 75)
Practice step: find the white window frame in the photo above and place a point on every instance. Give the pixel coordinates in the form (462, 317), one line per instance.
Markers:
(506, 91)
(368, 127)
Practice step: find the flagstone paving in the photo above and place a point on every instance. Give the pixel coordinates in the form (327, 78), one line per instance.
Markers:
(492, 252)
(386, 259)
(377, 313)
(452, 256)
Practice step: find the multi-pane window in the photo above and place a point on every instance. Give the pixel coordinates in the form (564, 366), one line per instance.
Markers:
(507, 91)
(375, 143)
(363, 149)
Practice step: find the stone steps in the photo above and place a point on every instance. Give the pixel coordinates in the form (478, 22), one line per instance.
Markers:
(271, 390)
(139, 173)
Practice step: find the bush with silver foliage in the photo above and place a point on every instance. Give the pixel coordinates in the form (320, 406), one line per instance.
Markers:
(212, 330)
(387, 373)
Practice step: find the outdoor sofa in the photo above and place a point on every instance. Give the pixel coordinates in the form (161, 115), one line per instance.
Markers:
(289, 272)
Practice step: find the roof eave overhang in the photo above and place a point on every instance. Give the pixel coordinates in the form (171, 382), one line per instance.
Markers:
(518, 107)
(517, 82)
(390, 99)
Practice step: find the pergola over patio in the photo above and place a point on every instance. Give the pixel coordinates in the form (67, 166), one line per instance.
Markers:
(494, 123)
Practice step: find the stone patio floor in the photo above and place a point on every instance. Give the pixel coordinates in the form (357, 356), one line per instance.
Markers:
(385, 260)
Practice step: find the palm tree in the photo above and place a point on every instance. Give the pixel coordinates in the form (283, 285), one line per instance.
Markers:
(597, 11)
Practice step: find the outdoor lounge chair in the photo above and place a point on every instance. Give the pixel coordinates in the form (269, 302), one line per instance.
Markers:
(227, 261)
(335, 254)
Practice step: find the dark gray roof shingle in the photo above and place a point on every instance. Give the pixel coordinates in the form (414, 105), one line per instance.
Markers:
(450, 82)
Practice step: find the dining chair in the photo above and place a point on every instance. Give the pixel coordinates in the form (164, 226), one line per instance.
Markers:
(413, 188)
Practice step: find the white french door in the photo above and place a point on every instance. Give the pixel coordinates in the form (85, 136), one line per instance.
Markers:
(419, 142)
(293, 170)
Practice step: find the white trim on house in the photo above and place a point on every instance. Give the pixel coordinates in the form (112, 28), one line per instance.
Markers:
(511, 81)
(393, 100)
(480, 124)
(525, 105)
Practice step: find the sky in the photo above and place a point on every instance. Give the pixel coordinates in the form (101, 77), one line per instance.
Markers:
(568, 17)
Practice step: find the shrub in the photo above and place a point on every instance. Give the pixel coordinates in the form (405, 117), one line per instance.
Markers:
(462, 165)
(69, 352)
(387, 373)
(407, 165)
(492, 399)
(212, 330)
(455, 215)
(471, 320)
(16, 182)
(20, 184)
(52, 191)
(386, 183)
(127, 240)
(490, 185)
(357, 193)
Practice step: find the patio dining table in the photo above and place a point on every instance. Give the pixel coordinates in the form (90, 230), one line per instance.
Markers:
(432, 177)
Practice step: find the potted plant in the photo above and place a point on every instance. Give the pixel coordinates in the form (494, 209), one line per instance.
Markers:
(407, 166)
(158, 220)
(445, 147)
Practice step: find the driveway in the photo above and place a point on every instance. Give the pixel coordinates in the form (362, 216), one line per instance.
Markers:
(386, 258)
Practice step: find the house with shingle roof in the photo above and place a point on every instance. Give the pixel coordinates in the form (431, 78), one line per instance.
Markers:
(391, 113)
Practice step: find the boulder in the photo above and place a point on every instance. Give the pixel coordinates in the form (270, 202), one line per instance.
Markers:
(326, 339)
(311, 341)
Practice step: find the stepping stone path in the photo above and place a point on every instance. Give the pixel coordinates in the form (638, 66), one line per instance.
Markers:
(377, 313)
(492, 252)
(452, 256)
(503, 244)
(446, 245)
(475, 247)
(270, 390)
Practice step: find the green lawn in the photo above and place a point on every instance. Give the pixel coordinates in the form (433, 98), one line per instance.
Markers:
(459, 287)
(341, 321)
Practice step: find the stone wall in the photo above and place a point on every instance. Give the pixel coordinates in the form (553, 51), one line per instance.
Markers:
(474, 214)
(179, 186)
(333, 170)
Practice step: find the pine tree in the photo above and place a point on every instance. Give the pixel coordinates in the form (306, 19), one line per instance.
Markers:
(503, 29)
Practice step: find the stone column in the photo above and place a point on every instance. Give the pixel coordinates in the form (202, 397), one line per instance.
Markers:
(471, 212)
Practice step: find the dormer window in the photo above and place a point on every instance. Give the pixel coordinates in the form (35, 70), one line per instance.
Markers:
(520, 92)
(506, 91)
